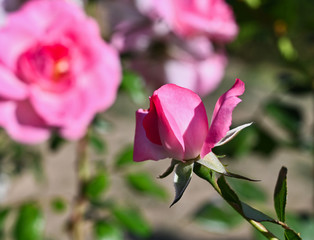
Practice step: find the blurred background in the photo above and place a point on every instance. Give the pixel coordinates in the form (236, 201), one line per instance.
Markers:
(271, 51)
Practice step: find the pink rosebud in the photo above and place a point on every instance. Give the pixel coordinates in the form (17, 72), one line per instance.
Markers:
(56, 72)
(213, 18)
(176, 124)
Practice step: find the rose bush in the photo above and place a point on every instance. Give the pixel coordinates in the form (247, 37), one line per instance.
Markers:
(176, 124)
(213, 18)
(56, 72)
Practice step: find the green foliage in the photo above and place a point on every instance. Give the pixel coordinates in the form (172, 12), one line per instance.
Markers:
(97, 142)
(286, 48)
(58, 205)
(217, 218)
(132, 83)
(300, 224)
(275, 229)
(55, 142)
(125, 158)
(144, 183)
(16, 158)
(96, 186)
(231, 197)
(280, 194)
(291, 235)
(3, 215)
(29, 224)
(104, 230)
(132, 221)
(100, 125)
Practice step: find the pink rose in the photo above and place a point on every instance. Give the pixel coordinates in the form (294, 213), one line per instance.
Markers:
(56, 72)
(213, 18)
(176, 124)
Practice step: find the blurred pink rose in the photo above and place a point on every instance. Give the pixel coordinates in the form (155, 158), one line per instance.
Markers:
(213, 18)
(176, 124)
(192, 64)
(56, 72)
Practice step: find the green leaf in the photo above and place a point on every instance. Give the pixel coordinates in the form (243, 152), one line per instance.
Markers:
(97, 143)
(58, 205)
(143, 183)
(275, 229)
(55, 142)
(29, 224)
(286, 48)
(125, 158)
(303, 224)
(291, 235)
(169, 169)
(248, 212)
(132, 221)
(254, 214)
(217, 218)
(132, 83)
(182, 178)
(228, 194)
(96, 185)
(3, 215)
(106, 231)
(100, 125)
(280, 194)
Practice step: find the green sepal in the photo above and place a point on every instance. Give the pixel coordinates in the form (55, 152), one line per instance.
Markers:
(182, 178)
(169, 169)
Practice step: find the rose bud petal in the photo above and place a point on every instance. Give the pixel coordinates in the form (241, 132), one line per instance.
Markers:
(222, 116)
(176, 121)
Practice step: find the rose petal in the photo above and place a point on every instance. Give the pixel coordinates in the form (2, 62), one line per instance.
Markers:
(222, 116)
(143, 148)
(22, 123)
(14, 40)
(211, 72)
(182, 73)
(11, 87)
(107, 76)
(183, 123)
(150, 124)
(73, 110)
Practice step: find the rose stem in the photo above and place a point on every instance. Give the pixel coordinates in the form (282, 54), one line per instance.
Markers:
(258, 226)
(76, 221)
